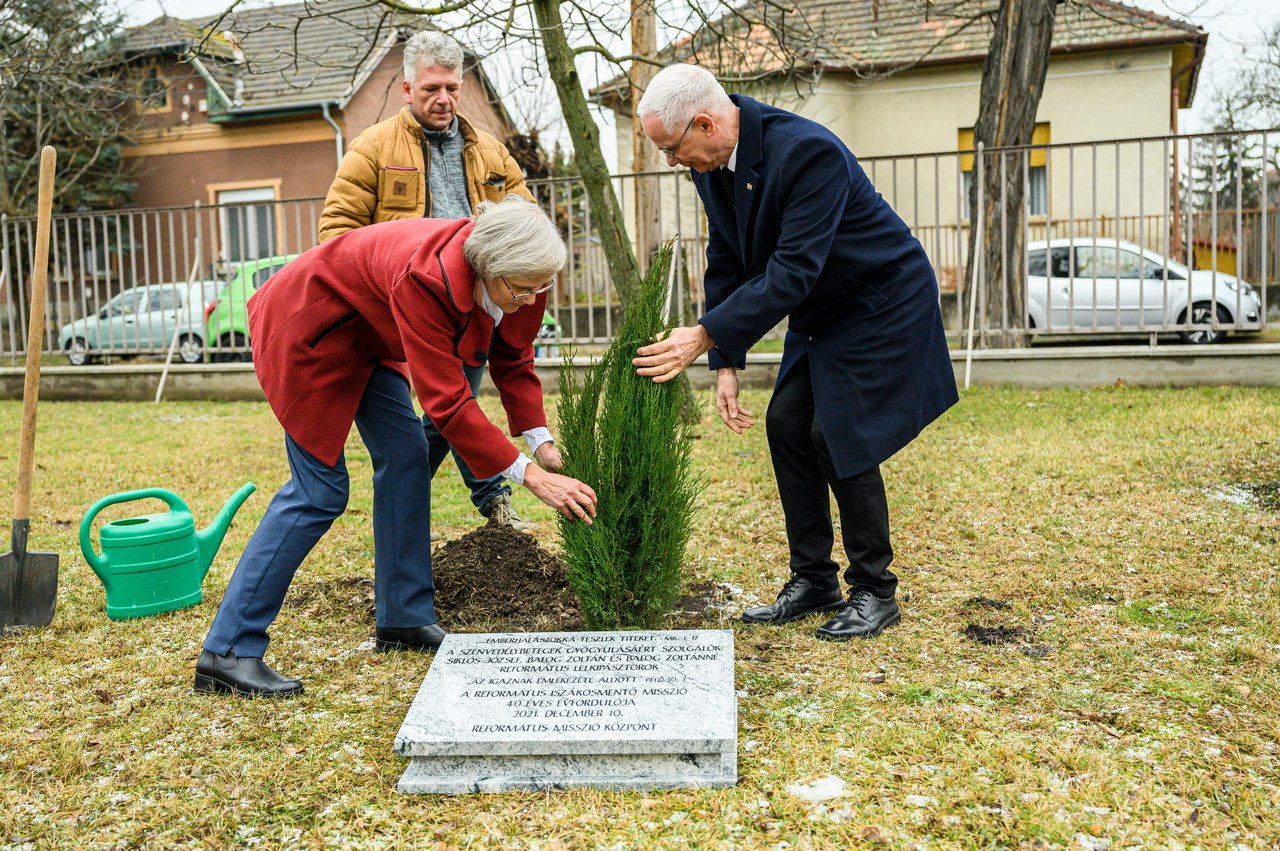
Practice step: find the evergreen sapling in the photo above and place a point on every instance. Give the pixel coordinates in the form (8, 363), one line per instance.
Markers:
(625, 436)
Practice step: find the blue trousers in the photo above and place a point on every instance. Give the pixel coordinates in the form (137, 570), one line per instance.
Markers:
(304, 509)
(482, 490)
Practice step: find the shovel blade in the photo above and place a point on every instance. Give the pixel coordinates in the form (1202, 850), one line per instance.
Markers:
(28, 588)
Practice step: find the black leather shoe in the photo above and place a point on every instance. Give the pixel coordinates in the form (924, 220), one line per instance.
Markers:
(243, 677)
(866, 615)
(798, 598)
(424, 639)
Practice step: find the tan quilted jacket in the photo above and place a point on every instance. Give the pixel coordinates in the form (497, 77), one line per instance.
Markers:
(383, 177)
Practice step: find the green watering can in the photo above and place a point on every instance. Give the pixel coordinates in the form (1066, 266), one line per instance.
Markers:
(155, 563)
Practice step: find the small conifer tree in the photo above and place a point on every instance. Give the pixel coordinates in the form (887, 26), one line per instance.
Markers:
(624, 436)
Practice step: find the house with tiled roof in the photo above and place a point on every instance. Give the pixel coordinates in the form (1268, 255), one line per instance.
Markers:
(898, 80)
(258, 105)
(898, 77)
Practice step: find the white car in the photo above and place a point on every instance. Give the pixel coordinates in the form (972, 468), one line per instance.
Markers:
(1109, 286)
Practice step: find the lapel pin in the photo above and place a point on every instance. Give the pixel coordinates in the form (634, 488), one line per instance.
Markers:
(748, 187)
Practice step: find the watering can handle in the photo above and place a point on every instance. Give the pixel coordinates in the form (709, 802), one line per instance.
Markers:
(168, 497)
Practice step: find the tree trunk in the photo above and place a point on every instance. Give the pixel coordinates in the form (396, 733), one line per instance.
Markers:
(606, 213)
(1012, 82)
(644, 157)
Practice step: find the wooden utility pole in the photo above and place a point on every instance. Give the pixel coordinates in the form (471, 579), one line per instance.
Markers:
(1012, 82)
(644, 157)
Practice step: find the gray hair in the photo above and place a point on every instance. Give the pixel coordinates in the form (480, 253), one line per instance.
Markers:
(431, 48)
(514, 238)
(679, 92)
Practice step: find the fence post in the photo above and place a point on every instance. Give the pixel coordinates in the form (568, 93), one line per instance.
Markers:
(1265, 235)
(177, 327)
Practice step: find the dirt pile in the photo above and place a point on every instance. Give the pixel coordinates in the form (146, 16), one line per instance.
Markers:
(496, 578)
(997, 634)
(1009, 635)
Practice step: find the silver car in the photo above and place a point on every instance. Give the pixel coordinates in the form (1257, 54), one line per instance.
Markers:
(1109, 286)
(143, 319)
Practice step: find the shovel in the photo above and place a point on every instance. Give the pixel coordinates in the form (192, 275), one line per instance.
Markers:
(29, 581)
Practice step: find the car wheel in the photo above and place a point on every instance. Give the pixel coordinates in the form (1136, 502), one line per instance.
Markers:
(191, 348)
(78, 352)
(1200, 313)
(231, 341)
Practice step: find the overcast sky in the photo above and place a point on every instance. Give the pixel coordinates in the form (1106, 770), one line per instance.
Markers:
(1231, 24)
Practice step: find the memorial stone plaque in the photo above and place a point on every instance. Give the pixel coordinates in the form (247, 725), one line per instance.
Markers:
(607, 710)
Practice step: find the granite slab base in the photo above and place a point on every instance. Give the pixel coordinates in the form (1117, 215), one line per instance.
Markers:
(605, 710)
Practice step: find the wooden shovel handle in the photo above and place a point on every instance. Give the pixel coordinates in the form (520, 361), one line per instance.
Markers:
(35, 335)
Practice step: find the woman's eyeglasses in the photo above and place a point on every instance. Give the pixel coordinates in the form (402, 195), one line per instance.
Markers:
(523, 293)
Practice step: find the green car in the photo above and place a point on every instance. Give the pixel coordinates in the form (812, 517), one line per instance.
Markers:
(226, 323)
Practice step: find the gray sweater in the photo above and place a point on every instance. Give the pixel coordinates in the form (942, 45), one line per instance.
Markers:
(446, 176)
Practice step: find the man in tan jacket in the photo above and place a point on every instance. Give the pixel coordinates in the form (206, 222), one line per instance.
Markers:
(428, 160)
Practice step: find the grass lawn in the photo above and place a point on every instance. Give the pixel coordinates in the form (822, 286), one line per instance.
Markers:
(1118, 525)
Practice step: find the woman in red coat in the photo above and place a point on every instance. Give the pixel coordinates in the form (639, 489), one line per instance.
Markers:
(337, 335)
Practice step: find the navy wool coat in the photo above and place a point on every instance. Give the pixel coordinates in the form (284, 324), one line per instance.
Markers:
(813, 242)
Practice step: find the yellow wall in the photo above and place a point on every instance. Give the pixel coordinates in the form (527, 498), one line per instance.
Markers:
(1223, 259)
(1086, 98)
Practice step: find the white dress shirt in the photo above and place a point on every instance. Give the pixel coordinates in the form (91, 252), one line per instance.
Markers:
(535, 437)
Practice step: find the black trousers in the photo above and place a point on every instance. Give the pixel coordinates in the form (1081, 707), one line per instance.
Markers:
(806, 478)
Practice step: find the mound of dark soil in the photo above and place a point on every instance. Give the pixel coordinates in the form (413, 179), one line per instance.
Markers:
(1266, 494)
(496, 578)
(997, 634)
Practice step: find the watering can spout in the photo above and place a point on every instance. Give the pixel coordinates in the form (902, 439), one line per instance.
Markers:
(210, 538)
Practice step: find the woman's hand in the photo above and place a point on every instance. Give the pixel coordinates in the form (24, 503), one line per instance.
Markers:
(569, 496)
(734, 415)
(549, 457)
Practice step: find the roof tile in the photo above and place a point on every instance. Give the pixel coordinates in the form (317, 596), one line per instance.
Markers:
(878, 36)
(300, 53)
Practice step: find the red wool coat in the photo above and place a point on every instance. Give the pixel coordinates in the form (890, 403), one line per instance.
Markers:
(401, 295)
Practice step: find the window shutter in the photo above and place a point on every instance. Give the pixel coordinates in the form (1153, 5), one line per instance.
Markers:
(1036, 158)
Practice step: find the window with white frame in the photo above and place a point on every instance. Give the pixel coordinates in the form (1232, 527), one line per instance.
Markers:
(248, 228)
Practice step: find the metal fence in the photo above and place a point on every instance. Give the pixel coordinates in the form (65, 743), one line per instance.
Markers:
(1138, 236)
(136, 281)
(1143, 236)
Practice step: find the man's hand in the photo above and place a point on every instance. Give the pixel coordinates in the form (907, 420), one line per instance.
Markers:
(569, 496)
(668, 356)
(734, 415)
(549, 457)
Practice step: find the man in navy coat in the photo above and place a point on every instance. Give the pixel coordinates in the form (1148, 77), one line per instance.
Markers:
(797, 232)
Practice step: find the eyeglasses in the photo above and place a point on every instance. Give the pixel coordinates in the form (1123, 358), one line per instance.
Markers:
(519, 294)
(670, 150)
